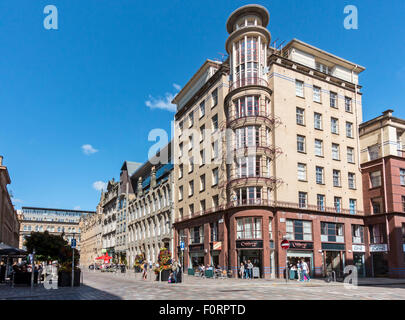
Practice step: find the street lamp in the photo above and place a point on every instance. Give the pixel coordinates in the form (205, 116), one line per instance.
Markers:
(73, 245)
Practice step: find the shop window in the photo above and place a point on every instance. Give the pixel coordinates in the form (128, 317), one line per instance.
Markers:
(299, 230)
(214, 231)
(377, 233)
(332, 232)
(249, 228)
(270, 229)
(357, 233)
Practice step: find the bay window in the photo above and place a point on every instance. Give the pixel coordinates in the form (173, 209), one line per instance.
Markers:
(248, 167)
(249, 195)
(249, 228)
(247, 106)
(247, 137)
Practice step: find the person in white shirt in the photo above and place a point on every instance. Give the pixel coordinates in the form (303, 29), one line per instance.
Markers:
(305, 271)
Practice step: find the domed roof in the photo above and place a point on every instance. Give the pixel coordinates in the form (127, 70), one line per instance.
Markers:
(253, 9)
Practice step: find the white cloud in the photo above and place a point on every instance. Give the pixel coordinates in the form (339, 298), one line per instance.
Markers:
(100, 185)
(77, 208)
(162, 103)
(88, 149)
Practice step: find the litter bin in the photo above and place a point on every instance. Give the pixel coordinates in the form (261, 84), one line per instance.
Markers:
(123, 269)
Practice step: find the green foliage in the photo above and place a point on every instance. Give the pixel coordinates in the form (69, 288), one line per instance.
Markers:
(164, 260)
(51, 247)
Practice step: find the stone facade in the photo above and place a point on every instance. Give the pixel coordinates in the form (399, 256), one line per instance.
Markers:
(9, 223)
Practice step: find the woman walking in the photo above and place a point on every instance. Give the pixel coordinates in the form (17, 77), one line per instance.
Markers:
(242, 270)
(145, 270)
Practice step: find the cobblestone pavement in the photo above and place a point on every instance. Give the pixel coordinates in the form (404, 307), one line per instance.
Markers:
(106, 286)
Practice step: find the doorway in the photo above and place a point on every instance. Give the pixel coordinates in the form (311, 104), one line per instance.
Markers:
(380, 264)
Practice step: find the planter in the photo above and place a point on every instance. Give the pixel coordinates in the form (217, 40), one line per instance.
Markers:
(164, 275)
(191, 271)
(65, 278)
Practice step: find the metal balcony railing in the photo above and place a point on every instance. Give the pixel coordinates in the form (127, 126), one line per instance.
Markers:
(248, 82)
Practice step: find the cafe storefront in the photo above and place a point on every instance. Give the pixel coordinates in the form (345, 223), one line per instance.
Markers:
(251, 250)
(196, 256)
(333, 257)
(359, 259)
(303, 251)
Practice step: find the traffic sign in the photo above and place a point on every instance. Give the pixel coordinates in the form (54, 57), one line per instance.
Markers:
(182, 245)
(73, 244)
(285, 244)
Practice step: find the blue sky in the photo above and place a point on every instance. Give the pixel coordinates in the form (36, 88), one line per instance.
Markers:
(93, 81)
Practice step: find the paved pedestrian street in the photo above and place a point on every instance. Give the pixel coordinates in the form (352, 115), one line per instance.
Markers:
(128, 286)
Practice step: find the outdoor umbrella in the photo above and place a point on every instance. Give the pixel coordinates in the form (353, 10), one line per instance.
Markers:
(7, 250)
(105, 257)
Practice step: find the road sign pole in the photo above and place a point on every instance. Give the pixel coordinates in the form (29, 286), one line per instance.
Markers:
(285, 244)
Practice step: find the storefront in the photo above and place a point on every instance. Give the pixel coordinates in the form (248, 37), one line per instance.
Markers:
(196, 255)
(333, 257)
(301, 251)
(359, 259)
(251, 250)
(379, 259)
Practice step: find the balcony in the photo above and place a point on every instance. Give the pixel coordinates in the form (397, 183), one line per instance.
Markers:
(252, 118)
(258, 149)
(250, 81)
(254, 181)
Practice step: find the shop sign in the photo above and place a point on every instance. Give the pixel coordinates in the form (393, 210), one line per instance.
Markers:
(249, 244)
(301, 245)
(333, 246)
(199, 247)
(358, 248)
(378, 247)
(217, 245)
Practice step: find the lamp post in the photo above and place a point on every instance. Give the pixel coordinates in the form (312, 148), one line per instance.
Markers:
(182, 256)
(73, 245)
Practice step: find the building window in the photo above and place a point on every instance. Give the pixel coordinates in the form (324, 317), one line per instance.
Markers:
(376, 205)
(332, 232)
(300, 113)
(191, 144)
(348, 104)
(181, 149)
(190, 164)
(350, 155)
(334, 125)
(215, 201)
(180, 171)
(302, 172)
(214, 97)
(318, 148)
(202, 182)
(215, 177)
(197, 235)
(338, 204)
(349, 129)
(357, 234)
(352, 180)
(181, 213)
(317, 94)
(247, 106)
(180, 127)
(191, 119)
(299, 88)
(353, 206)
(302, 199)
(318, 121)
(202, 109)
(336, 178)
(299, 230)
(215, 122)
(191, 209)
(248, 166)
(202, 205)
(202, 133)
(215, 149)
(214, 231)
(301, 144)
(247, 136)
(335, 151)
(202, 156)
(249, 195)
(320, 200)
(402, 176)
(375, 178)
(181, 193)
(403, 203)
(373, 152)
(270, 229)
(190, 188)
(249, 228)
(377, 233)
(319, 175)
(333, 99)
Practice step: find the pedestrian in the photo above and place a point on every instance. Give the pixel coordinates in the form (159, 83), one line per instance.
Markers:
(245, 265)
(299, 270)
(305, 271)
(250, 268)
(145, 270)
(175, 266)
(242, 270)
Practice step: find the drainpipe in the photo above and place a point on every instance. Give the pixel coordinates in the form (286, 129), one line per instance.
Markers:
(357, 119)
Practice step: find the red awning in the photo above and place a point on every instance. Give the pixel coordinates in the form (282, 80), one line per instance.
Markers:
(105, 257)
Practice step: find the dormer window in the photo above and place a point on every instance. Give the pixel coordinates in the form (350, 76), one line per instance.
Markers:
(322, 68)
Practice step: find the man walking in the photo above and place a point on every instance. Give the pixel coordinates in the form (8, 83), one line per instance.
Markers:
(250, 270)
(305, 271)
(175, 267)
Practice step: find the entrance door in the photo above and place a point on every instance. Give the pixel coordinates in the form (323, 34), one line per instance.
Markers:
(358, 261)
(333, 261)
(255, 257)
(380, 264)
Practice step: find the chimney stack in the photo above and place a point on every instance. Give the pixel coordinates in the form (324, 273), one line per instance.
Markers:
(1, 161)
